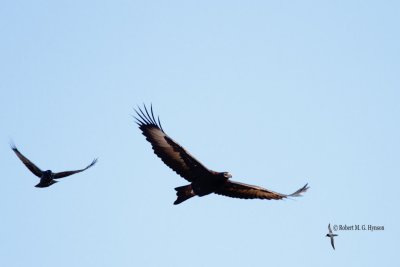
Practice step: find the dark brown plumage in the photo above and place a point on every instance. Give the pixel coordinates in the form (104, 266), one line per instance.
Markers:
(46, 177)
(203, 181)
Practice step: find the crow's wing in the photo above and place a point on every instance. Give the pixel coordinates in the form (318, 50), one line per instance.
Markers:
(32, 167)
(68, 173)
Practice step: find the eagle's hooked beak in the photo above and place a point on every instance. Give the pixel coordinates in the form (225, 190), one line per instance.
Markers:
(227, 175)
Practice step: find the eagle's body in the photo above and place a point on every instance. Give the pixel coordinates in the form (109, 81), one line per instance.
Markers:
(46, 177)
(203, 181)
(209, 182)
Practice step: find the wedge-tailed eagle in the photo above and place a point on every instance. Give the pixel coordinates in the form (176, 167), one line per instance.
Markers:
(203, 181)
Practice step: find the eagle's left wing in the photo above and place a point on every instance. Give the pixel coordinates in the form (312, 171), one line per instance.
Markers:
(241, 190)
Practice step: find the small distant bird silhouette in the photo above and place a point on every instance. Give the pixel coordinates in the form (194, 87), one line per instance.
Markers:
(46, 177)
(202, 180)
(331, 235)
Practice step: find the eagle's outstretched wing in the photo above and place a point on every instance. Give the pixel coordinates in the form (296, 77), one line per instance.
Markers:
(32, 167)
(68, 173)
(241, 190)
(169, 151)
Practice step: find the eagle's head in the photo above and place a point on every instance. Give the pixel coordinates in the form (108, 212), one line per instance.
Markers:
(227, 175)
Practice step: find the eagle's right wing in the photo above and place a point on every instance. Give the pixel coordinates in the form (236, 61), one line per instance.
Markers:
(169, 151)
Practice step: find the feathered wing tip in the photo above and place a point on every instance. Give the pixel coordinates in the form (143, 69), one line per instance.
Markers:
(91, 164)
(300, 191)
(144, 117)
(12, 144)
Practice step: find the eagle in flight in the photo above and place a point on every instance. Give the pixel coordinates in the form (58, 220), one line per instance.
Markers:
(46, 177)
(203, 181)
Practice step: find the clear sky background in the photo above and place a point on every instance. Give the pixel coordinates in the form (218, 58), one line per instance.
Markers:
(278, 93)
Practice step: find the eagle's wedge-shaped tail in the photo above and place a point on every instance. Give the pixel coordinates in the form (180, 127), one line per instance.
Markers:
(184, 193)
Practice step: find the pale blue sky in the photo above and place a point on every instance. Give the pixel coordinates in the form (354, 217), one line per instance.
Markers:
(278, 93)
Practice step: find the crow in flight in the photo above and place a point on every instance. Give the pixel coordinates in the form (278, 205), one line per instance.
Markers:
(46, 177)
